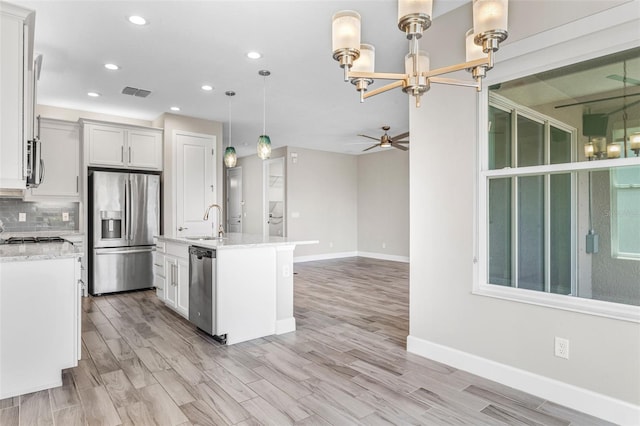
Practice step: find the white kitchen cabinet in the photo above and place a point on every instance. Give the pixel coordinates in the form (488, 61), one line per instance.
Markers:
(176, 270)
(159, 276)
(120, 146)
(60, 142)
(39, 323)
(16, 86)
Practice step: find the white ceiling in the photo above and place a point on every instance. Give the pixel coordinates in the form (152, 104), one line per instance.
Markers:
(189, 43)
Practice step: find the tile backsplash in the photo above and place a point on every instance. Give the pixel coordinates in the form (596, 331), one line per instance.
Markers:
(39, 216)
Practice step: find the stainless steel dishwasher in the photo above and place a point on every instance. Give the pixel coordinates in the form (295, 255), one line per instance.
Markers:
(202, 290)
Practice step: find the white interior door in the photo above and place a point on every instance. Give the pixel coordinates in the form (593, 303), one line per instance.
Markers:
(274, 198)
(195, 176)
(234, 199)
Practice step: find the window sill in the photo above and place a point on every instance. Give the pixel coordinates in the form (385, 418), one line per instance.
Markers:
(557, 301)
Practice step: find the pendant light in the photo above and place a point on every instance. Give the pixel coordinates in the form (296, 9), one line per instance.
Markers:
(264, 142)
(230, 157)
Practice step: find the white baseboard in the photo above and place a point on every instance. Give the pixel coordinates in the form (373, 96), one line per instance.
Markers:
(325, 256)
(286, 325)
(586, 401)
(383, 256)
(342, 255)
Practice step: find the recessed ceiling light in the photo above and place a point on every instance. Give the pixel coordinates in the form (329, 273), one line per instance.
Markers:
(207, 88)
(93, 94)
(254, 55)
(111, 67)
(175, 108)
(138, 20)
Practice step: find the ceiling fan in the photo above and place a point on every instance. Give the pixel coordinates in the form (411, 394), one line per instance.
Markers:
(385, 141)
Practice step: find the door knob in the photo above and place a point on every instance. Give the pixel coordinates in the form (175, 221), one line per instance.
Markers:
(182, 229)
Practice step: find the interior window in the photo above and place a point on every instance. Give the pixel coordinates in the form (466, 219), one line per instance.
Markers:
(561, 179)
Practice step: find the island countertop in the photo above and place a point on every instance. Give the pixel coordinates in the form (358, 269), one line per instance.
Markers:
(22, 252)
(237, 241)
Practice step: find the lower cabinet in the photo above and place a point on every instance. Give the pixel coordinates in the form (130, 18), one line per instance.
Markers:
(39, 323)
(172, 273)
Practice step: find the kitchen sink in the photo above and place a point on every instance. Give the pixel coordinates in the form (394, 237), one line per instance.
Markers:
(205, 237)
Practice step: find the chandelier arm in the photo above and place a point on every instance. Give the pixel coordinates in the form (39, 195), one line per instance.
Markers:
(458, 67)
(399, 83)
(453, 82)
(378, 75)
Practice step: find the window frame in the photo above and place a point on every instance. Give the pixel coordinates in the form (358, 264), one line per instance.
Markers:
(600, 34)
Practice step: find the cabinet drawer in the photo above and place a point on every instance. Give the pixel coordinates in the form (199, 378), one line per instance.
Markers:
(177, 250)
(158, 265)
(160, 246)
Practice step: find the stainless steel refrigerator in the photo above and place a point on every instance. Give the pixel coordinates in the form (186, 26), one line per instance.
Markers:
(124, 210)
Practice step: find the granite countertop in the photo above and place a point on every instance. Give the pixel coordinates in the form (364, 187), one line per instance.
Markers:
(42, 251)
(31, 251)
(237, 241)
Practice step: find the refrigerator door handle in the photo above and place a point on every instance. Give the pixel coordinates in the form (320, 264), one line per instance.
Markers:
(100, 252)
(129, 207)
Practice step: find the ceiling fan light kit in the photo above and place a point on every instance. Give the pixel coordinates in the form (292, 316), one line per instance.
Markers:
(414, 17)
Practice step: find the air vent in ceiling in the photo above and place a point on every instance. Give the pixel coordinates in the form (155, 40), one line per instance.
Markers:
(136, 92)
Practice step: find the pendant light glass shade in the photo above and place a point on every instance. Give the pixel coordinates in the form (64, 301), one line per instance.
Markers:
(635, 140)
(264, 141)
(613, 150)
(414, 7)
(230, 157)
(346, 30)
(473, 51)
(264, 147)
(489, 16)
(366, 61)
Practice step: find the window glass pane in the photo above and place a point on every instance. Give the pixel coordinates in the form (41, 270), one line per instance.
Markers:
(625, 211)
(499, 139)
(560, 234)
(500, 232)
(560, 148)
(531, 232)
(530, 142)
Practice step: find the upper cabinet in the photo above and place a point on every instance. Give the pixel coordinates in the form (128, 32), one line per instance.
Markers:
(60, 152)
(17, 73)
(121, 146)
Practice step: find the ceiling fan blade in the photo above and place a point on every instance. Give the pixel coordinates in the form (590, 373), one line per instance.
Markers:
(403, 148)
(371, 147)
(400, 141)
(370, 137)
(400, 136)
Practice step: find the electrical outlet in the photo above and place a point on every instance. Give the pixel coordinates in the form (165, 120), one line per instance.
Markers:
(286, 272)
(65, 216)
(22, 217)
(331, 244)
(384, 245)
(562, 348)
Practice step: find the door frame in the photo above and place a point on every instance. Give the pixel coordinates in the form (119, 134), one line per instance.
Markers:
(266, 167)
(227, 209)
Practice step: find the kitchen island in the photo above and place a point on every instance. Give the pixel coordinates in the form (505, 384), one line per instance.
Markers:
(39, 315)
(253, 276)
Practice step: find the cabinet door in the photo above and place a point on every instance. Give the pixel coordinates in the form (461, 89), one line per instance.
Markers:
(144, 149)
(105, 145)
(171, 283)
(12, 74)
(61, 156)
(182, 300)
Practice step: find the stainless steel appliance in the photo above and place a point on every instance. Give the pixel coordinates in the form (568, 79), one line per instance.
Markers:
(124, 211)
(202, 290)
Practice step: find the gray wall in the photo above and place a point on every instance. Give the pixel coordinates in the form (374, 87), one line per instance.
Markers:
(383, 203)
(443, 310)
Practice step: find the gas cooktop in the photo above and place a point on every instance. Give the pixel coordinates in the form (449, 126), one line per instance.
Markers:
(29, 240)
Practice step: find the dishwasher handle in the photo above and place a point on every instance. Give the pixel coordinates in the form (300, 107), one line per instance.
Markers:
(201, 252)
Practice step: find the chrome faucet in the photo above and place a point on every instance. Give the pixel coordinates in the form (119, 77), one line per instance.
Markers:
(206, 217)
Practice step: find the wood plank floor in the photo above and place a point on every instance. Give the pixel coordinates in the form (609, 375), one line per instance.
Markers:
(143, 365)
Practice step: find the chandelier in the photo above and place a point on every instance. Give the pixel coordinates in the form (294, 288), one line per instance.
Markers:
(414, 17)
